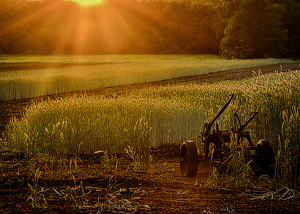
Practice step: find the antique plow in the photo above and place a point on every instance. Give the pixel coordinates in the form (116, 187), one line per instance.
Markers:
(216, 148)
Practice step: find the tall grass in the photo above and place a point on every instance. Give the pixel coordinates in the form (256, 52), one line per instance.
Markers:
(93, 72)
(84, 124)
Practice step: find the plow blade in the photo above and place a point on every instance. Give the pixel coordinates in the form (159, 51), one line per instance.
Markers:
(205, 165)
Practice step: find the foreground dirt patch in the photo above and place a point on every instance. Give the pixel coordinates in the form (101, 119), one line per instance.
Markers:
(90, 188)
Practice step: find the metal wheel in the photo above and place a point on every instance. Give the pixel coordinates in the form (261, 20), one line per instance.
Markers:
(266, 157)
(188, 159)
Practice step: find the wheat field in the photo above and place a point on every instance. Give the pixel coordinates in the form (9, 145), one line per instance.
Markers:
(62, 74)
(161, 115)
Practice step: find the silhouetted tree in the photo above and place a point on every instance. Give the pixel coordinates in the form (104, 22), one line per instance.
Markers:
(291, 22)
(255, 30)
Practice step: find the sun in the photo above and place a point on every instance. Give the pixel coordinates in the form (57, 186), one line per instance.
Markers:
(89, 2)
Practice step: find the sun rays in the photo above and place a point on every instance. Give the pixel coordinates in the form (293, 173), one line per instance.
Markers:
(114, 26)
(86, 26)
(89, 2)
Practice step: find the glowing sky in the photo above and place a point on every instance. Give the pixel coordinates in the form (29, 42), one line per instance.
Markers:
(87, 26)
(89, 2)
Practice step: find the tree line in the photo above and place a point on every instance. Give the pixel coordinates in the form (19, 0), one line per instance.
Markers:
(233, 28)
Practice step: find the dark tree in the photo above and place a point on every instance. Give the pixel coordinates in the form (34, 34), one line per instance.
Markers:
(292, 23)
(255, 30)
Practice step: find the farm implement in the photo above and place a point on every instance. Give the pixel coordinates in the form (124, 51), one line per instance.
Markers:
(217, 148)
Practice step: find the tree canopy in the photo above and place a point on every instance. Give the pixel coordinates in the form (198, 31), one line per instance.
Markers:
(233, 28)
(255, 30)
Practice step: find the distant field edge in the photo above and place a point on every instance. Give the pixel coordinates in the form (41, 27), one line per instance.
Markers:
(35, 76)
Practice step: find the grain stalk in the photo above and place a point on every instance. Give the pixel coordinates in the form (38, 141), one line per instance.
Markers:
(238, 169)
(140, 151)
(36, 197)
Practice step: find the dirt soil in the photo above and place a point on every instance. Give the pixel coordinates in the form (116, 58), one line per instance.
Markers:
(89, 184)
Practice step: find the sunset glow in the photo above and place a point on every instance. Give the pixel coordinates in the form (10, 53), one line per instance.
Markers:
(89, 27)
(89, 2)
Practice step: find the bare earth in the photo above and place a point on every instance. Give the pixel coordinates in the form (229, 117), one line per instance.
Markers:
(90, 188)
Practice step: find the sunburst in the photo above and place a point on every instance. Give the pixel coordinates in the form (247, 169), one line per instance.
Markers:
(89, 2)
(88, 26)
